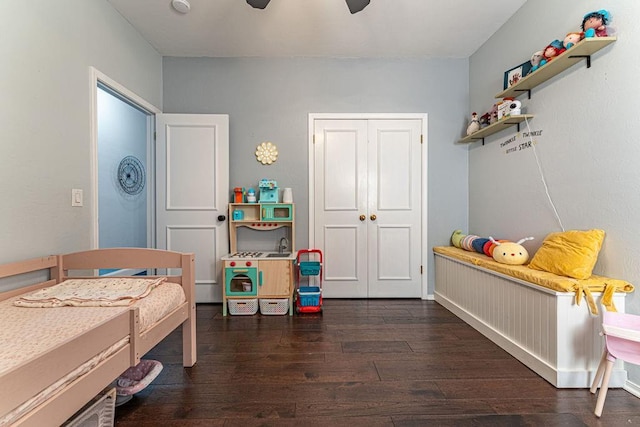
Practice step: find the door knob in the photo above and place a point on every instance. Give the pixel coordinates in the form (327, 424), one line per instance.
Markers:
(373, 217)
(221, 217)
(362, 217)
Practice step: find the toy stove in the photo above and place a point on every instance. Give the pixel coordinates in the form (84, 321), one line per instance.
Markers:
(246, 254)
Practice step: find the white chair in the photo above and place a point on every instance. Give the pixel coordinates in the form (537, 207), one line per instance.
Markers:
(622, 341)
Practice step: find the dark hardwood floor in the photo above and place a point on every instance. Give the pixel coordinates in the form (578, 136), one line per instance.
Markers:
(359, 363)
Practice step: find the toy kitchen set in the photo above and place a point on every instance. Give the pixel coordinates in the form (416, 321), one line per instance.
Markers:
(254, 278)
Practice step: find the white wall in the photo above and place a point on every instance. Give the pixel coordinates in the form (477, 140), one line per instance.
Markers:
(588, 150)
(47, 48)
(270, 99)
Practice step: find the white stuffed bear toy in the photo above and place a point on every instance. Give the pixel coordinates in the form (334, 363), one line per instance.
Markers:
(474, 125)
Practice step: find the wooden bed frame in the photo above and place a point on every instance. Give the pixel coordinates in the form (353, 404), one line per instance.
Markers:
(26, 380)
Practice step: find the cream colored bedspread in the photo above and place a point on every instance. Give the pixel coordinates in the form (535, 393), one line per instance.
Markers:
(26, 333)
(102, 292)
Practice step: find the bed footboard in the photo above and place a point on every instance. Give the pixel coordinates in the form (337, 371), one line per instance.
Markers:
(543, 329)
(143, 258)
(121, 333)
(20, 384)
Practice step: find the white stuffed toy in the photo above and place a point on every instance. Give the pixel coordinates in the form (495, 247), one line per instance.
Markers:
(510, 253)
(536, 58)
(474, 124)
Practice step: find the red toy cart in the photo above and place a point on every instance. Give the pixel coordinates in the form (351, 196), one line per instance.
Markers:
(308, 298)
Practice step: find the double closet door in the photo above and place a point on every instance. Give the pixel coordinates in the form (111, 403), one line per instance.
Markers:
(367, 206)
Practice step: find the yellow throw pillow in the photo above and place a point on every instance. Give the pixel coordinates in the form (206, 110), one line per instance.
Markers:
(570, 253)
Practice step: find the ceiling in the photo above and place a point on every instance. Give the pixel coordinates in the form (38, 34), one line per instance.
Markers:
(318, 28)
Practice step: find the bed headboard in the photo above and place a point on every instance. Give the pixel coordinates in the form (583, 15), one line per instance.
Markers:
(130, 258)
(44, 267)
(119, 259)
(58, 268)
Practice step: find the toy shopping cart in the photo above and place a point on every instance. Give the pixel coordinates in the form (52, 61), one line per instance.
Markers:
(308, 273)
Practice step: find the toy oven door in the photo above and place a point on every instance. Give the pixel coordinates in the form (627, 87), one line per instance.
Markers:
(241, 281)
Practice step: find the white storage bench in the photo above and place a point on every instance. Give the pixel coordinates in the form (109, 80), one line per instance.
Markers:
(544, 329)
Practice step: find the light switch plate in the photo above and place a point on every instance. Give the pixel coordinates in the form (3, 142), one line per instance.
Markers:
(76, 197)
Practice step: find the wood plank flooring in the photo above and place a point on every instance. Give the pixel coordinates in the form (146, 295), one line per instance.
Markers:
(359, 363)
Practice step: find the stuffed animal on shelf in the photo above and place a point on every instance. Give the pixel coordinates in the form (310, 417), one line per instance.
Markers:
(509, 252)
(535, 60)
(554, 49)
(571, 39)
(594, 24)
(493, 114)
(474, 125)
(485, 119)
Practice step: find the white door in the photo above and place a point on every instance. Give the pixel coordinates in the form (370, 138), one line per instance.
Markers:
(367, 192)
(192, 166)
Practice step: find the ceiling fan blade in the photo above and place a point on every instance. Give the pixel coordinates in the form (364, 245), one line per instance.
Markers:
(356, 6)
(258, 4)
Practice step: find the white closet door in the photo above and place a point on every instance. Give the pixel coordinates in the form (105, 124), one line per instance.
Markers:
(394, 229)
(367, 200)
(340, 150)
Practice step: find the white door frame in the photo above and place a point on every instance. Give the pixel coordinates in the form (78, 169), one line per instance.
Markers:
(99, 77)
(423, 196)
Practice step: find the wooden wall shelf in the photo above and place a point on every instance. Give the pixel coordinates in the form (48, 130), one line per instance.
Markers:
(496, 127)
(259, 216)
(582, 50)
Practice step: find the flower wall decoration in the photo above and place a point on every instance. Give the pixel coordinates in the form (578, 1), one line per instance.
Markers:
(267, 153)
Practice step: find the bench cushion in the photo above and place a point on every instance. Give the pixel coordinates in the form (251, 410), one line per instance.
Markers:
(580, 287)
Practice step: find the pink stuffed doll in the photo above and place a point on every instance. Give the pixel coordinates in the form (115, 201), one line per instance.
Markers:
(493, 114)
(485, 119)
(554, 49)
(571, 39)
(594, 23)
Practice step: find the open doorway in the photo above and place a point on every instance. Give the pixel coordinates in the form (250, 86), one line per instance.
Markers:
(122, 176)
(123, 167)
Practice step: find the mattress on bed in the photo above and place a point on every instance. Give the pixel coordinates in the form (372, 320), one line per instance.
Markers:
(24, 338)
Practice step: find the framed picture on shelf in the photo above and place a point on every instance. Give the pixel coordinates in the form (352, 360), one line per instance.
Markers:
(514, 75)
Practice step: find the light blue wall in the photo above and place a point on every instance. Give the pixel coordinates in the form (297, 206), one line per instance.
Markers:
(270, 100)
(122, 131)
(588, 150)
(47, 49)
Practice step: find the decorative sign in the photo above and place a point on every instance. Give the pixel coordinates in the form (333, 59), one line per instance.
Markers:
(520, 141)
